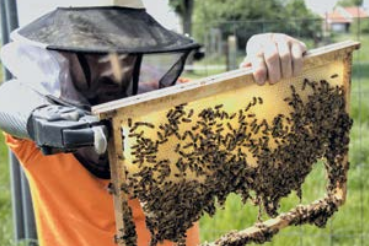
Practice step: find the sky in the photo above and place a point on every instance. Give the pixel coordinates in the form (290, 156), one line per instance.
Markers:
(366, 4)
(162, 13)
(323, 6)
(320, 6)
(31, 9)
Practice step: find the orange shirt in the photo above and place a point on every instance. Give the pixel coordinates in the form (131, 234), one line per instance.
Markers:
(72, 207)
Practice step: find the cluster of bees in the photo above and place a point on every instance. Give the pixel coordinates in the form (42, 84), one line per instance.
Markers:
(129, 235)
(317, 213)
(210, 153)
(235, 238)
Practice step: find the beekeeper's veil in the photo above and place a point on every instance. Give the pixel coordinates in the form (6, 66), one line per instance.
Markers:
(148, 53)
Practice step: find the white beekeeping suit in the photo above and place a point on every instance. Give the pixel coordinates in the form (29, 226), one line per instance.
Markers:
(42, 70)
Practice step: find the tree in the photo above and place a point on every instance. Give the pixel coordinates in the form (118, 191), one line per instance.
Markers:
(184, 8)
(245, 18)
(304, 23)
(242, 18)
(360, 26)
(350, 3)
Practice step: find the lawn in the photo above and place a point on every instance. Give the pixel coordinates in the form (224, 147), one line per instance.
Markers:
(6, 232)
(348, 227)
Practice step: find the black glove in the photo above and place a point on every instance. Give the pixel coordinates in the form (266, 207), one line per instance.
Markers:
(57, 128)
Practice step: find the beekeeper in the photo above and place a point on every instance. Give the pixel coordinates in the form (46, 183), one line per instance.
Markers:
(61, 69)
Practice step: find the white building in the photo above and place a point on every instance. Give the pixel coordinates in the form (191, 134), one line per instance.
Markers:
(341, 18)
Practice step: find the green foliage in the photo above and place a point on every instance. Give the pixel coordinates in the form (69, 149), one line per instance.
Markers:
(360, 26)
(184, 8)
(238, 10)
(178, 6)
(245, 18)
(350, 3)
(230, 16)
(303, 22)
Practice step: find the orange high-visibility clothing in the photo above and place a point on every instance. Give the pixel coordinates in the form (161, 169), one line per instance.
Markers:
(73, 207)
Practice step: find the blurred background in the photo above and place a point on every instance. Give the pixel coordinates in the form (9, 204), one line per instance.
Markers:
(223, 27)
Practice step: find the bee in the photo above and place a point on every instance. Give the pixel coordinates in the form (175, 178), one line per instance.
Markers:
(181, 106)
(229, 126)
(118, 239)
(169, 114)
(110, 188)
(219, 130)
(190, 114)
(132, 135)
(293, 89)
(212, 123)
(163, 141)
(306, 81)
(195, 127)
(248, 107)
(124, 187)
(219, 125)
(242, 119)
(256, 130)
(313, 85)
(219, 106)
(178, 146)
(253, 123)
(254, 101)
(188, 145)
(140, 134)
(287, 99)
(149, 125)
(260, 100)
(137, 124)
(177, 135)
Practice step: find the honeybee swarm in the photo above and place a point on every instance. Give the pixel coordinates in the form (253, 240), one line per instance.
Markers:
(215, 149)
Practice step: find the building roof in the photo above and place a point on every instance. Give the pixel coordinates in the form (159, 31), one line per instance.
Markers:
(346, 14)
(356, 12)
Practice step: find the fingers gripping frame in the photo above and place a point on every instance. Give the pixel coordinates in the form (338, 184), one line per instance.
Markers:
(181, 150)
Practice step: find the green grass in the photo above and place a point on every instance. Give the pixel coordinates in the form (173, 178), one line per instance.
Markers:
(348, 227)
(362, 54)
(6, 227)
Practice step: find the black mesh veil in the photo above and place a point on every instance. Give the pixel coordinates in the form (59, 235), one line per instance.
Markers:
(140, 73)
(160, 70)
(152, 56)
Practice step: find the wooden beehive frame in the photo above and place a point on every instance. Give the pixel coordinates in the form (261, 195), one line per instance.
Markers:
(117, 112)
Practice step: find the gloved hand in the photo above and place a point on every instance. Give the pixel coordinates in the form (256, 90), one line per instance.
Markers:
(274, 56)
(57, 128)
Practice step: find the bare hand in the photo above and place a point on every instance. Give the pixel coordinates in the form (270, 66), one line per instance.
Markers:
(274, 56)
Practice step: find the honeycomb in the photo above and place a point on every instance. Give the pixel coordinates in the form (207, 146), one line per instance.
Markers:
(183, 153)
